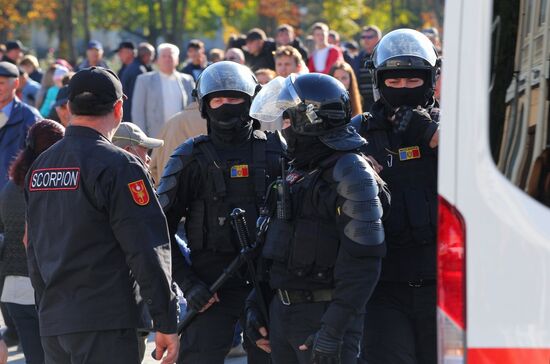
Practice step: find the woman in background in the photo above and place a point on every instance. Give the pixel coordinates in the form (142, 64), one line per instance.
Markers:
(343, 72)
(18, 293)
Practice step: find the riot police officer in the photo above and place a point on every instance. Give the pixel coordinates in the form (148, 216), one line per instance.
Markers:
(324, 246)
(400, 323)
(205, 179)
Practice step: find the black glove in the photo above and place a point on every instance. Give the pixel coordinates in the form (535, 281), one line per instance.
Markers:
(197, 296)
(325, 348)
(254, 321)
(415, 125)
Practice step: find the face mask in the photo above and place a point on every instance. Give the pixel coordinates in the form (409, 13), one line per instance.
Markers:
(412, 97)
(291, 139)
(227, 116)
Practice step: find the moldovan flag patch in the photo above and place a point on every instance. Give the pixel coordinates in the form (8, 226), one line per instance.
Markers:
(409, 153)
(239, 171)
(139, 192)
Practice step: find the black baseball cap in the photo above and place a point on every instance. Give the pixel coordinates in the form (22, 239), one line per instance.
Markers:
(125, 44)
(15, 44)
(62, 96)
(103, 83)
(8, 69)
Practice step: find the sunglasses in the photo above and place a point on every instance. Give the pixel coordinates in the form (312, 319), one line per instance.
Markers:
(368, 36)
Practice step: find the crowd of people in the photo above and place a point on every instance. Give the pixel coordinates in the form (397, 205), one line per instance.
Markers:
(150, 161)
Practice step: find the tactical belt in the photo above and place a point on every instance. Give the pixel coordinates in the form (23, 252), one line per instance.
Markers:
(304, 296)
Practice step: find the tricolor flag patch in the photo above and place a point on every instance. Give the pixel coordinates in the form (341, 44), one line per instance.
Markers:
(408, 153)
(239, 171)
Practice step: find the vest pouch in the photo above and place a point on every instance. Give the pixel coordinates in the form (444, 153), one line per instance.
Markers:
(327, 244)
(396, 222)
(418, 208)
(195, 224)
(277, 240)
(303, 246)
(220, 232)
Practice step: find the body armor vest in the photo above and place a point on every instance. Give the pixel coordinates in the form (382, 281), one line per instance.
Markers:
(238, 179)
(308, 244)
(411, 174)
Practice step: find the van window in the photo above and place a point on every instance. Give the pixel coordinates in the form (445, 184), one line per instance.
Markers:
(519, 97)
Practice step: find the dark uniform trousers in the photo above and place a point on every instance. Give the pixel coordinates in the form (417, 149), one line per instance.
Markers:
(291, 325)
(199, 345)
(93, 347)
(400, 324)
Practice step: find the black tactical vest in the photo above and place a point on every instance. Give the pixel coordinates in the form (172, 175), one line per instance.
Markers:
(411, 174)
(308, 243)
(234, 178)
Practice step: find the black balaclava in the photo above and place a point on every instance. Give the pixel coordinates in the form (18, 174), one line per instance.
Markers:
(304, 150)
(229, 124)
(413, 97)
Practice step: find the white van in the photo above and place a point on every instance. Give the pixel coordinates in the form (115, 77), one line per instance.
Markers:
(494, 183)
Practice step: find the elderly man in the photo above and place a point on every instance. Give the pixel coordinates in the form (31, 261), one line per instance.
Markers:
(160, 94)
(132, 139)
(16, 118)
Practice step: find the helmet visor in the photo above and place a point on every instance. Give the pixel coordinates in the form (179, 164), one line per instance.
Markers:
(403, 43)
(226, 76)
(274, 98)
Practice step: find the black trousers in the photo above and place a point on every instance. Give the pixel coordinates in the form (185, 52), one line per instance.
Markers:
(209, 337)
(400, 325)
(290, 326)
(93, 347)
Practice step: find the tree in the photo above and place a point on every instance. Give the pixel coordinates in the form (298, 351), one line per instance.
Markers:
(14, 14)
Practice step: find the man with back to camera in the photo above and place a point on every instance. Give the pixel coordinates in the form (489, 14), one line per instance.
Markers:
(400, 322)
(114, 235)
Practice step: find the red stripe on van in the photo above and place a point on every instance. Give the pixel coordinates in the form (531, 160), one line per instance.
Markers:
(508, 355)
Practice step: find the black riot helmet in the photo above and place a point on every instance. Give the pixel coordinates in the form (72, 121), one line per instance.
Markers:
(404, 53)
(225, 78)
(316, 103)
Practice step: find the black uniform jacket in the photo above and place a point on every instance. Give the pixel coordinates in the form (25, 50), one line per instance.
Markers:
(94, 224)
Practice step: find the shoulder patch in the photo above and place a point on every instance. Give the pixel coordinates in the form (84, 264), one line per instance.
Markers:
(139, 192)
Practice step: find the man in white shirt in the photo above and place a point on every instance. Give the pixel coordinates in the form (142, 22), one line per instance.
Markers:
(160, 94)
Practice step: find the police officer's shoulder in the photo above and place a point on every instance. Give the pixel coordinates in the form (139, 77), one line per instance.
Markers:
(181, 157)
(355, 177)
(361, 207)
(118, 157)
(275, 141)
